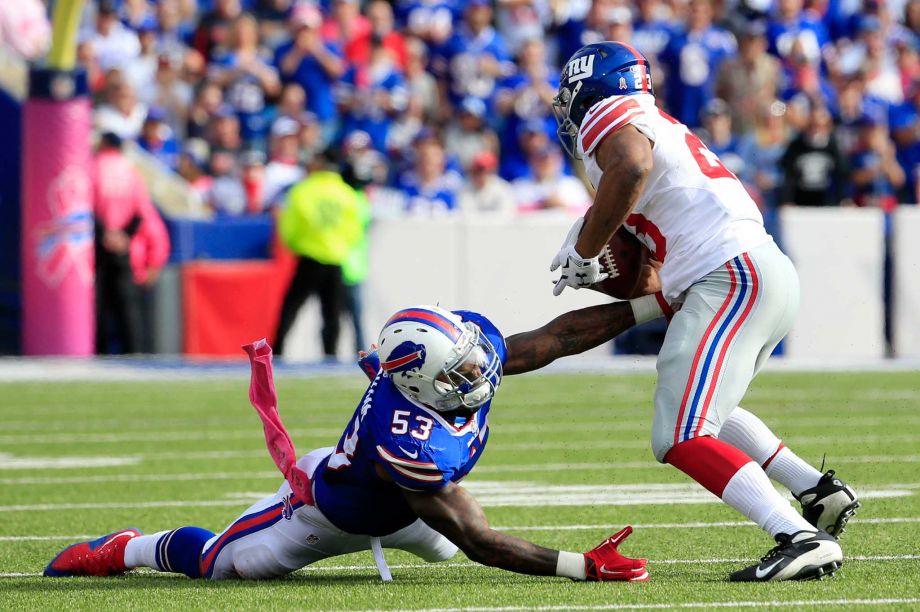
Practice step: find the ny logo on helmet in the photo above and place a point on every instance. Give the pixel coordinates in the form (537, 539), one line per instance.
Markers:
(580, 68)
(406, 357)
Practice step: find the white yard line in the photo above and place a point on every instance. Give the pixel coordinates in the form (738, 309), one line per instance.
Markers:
(607, 527)
(687, 605)
(498, 493)
(438, 566)
(694, 525)
(11, 462)
(267, 475)
(158, 436)
(640, 441)
(122, 505)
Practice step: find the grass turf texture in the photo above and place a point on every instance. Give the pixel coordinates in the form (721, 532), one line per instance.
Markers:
(194, 444)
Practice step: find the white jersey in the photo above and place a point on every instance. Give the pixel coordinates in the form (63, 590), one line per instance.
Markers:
(693, 215)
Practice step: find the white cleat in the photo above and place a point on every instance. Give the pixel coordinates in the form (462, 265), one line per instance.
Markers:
(804, 555)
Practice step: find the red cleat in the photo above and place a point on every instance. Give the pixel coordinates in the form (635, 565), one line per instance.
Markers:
(604, 562)
(102, 557)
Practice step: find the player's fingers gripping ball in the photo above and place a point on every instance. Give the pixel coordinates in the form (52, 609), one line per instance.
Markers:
(630, 270)
(576, 271)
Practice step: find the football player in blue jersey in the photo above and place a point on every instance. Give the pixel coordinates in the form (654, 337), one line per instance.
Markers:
(392, 479)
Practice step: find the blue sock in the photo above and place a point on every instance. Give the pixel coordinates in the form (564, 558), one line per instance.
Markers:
(179, 550)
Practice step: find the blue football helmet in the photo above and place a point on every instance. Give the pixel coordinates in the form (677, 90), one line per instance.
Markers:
(596, 72)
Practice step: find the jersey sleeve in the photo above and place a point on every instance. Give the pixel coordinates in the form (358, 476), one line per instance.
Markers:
(411, 463)
(610, 115)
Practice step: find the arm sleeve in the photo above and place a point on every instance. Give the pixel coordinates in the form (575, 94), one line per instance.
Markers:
(610, 115)
(412, 464)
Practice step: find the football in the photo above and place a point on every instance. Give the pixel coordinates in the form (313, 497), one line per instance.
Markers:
(622, 258)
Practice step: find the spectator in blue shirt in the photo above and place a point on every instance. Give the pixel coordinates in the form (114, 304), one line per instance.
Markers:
(719, 138)
(904, 122)
(762, 150)
(157, 138)
(532, 135)
(876, 174)
(792, 26)
(370, 96)
(429, 187)
(583, 28)
(430, 20)
(246, 73)
(526, 96)
(692, 60)
(651, 30)
(311, 63)
(474, 59)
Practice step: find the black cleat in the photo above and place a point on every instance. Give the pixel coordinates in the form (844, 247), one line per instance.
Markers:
(804, 555)
(829, 505)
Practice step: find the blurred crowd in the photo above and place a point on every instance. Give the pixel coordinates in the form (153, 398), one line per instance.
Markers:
(446, 104)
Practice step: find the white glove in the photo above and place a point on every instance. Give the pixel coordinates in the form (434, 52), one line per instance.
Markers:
(577, 272)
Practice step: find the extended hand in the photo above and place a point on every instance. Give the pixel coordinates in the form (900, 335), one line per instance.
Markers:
(604, 562)
(577, 272)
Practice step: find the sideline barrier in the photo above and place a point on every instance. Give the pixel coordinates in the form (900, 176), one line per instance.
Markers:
(839, 254)
(501, 268)
(226, 304)
(906, 255)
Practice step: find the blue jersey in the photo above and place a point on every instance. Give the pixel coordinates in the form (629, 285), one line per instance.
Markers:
(417, 447)
(806, 30)
(459, 61)
(314, 79)
(692, 60)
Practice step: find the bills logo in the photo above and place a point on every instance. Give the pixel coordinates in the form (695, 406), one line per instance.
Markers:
(406, 357)
(287, 511)
(64, 243)
(580, 68)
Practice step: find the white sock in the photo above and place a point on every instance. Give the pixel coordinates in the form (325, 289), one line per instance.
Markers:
(142, 551)
(751, 493)
(748, 433)
(792, 471)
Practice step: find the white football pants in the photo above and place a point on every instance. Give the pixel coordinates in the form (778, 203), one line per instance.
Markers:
(730, 322)
(273, 537)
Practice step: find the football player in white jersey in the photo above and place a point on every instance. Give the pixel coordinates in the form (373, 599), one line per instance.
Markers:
(739, 296)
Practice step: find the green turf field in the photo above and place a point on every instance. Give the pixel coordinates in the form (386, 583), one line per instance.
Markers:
(568, 462)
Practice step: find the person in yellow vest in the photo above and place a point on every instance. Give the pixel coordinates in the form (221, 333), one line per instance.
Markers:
(321, 223)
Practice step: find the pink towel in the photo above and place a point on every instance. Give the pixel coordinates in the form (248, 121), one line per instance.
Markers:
(264, 399)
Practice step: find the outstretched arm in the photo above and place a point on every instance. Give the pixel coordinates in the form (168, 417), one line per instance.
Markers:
(579, 330)
(569, 334)
(455, 514)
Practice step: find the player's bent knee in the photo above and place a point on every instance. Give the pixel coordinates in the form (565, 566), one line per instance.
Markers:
(662, 442)
(442, 550)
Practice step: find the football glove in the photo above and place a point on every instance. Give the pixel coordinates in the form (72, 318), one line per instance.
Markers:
(369, 362)
(604, 562)
(577, 272)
